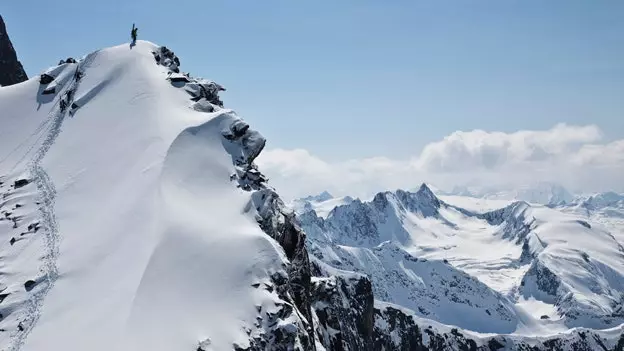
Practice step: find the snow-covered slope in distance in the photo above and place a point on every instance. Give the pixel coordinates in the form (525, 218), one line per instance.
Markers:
(321, 204)
(545, 193)
(122, 227)
(502, 267)
(605, 208)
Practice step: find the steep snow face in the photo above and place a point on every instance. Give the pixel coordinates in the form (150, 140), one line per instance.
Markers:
(122, 227)
(519, 268)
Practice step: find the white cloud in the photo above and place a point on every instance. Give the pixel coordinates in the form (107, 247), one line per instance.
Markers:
(570, 155)
(492, 150)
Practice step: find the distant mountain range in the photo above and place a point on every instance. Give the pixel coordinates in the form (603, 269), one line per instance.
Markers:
(481, 261)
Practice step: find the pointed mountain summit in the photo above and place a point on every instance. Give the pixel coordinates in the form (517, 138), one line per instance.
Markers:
(425, 192)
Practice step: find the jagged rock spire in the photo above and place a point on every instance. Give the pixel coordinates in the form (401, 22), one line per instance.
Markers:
(11, 70)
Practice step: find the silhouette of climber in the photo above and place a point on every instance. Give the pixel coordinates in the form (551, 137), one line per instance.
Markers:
(133, 33)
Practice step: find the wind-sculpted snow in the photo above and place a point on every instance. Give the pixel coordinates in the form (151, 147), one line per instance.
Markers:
(134, 217)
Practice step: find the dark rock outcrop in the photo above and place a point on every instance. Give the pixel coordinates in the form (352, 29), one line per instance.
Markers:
(515, 222)
(29, 285)
(279, 223)
(544, 278)
(11, 70)
(397, 329)
(45, 79)
(20, 183)
(343, 305)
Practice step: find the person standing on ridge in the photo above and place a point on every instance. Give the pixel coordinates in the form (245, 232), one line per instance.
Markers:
(133, 33)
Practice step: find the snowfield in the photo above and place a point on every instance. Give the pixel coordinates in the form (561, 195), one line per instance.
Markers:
(129, 226)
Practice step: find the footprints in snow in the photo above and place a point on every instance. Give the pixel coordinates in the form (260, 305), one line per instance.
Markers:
(26, 304)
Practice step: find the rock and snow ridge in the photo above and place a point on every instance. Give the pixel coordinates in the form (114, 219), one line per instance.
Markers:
(521, 270)
(134, 217)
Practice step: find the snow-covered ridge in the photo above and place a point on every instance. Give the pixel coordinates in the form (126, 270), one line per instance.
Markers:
(133, 215)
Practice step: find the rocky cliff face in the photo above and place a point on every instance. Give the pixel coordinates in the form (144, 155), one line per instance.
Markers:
(348, 318)
(11, 70)
(397, 329)
(343, 306)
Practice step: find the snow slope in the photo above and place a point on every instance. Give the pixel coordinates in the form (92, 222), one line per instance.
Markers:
(489, 266)
(129, 226)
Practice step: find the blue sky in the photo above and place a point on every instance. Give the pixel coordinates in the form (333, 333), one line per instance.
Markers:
(351, 79)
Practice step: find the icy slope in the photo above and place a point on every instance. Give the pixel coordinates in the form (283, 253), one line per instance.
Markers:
(521, 268)
(120, 203)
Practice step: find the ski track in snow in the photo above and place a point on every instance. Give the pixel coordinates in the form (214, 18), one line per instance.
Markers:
(46, 197)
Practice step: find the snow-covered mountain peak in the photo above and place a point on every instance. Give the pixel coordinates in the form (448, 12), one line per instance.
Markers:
(425, 190)
(324, 196)
(134, 216)
(602, 200)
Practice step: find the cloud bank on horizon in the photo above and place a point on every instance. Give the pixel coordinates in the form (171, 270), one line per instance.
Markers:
(577, 157)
